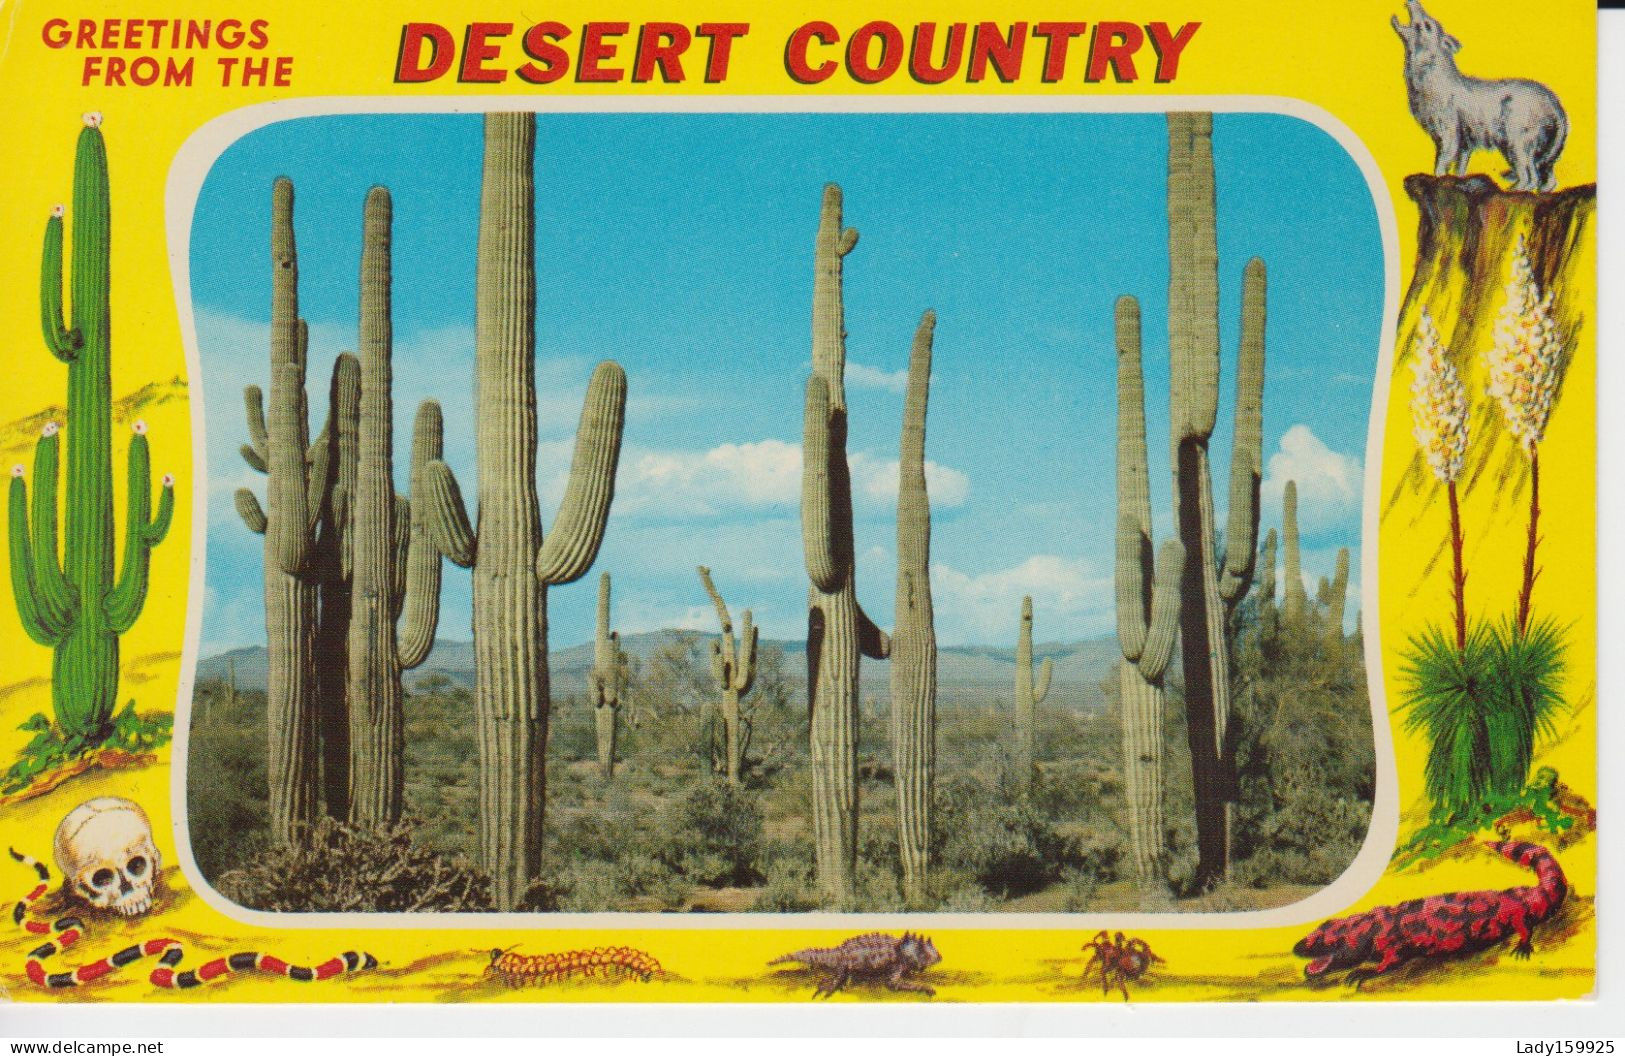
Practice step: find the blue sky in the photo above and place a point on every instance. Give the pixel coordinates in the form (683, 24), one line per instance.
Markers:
(681, 246)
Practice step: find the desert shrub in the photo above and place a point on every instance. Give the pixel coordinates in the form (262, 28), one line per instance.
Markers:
(338, 868)
(1012, 848)
(226, 785)
(788, 887)
(599, 885)
(712, 835)
(1078, 889)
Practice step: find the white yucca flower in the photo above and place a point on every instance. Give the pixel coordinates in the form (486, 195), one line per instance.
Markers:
(1438, 403)
(1525, 354)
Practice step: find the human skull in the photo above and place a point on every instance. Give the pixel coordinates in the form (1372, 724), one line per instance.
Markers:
(104, 849)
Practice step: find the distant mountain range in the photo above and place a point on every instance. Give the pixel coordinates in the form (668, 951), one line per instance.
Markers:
(965, 674)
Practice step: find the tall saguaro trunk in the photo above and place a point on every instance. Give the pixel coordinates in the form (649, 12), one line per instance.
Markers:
(1211, 586)
(914, 636)
(1147, 612)
(513, 565)
(1028, 696)
(333, 606)
(838, 632)
(296, 488)
(395, 569)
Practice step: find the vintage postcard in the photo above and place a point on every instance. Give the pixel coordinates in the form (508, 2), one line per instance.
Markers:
(879, 503)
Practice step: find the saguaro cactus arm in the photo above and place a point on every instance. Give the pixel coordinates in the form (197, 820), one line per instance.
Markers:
(1041, 682)
(1163, 628)
(872, 641)
(724, 646)
(248, 508)
(142, 532)
(64, 343)
(440, 505)
(578, 530)
(1247, 452)
(58, 598)
(419, 565)
(256, 451)
(733, 664)
(745, 673)
(46, 601)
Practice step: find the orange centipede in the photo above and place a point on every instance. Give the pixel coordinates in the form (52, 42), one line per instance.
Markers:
(602, 962)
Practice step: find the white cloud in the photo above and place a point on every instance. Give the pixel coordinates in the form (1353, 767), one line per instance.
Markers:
(1071, 599)
(756, 475)
(876, 479)
(860, 376)
(1329, 483)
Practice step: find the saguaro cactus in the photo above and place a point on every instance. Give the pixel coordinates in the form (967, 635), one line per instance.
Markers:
(838, 631)
(1337, 593)
(333, 553)
(1211, 586)
(1266, 572)
(604, 682)
(1028, 696)
(733, 664)
(394, 565)
(296, 488)
(914, 636)
(1148, 603)
(76, 607)
(513, 565)
(1297, 598)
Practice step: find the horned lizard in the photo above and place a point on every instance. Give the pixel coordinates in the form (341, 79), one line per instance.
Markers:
(871, 958)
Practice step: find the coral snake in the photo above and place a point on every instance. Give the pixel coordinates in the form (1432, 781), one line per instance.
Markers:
(68, 930)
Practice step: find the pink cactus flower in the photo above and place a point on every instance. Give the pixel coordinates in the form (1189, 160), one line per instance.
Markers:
(17, 470)
(50, 429)
(59, 210)
(169, 480)
(140, 427)
(93, 119)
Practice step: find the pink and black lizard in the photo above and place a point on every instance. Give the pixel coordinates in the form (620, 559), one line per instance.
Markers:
(1439, 926)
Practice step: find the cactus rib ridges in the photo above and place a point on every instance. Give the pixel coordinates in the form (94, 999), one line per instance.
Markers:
(1148, 610)
(377, 734)
(394, 566)
(1193, 403)
(512, 566)
(578, 527)
(913, 646)
(419, 590)
(1247, 445)
(838, 632)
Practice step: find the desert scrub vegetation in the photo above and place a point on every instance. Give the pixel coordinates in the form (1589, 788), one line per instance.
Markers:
(667, 832)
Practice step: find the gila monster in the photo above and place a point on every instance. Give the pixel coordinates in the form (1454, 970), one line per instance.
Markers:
(1439, 926)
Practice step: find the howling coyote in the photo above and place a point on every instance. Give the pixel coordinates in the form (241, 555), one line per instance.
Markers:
(1522, 119)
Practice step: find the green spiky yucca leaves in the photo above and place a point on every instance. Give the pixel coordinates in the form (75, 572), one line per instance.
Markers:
(1481, 707)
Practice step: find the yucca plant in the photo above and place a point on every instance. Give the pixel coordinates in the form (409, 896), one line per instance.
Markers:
(1481, 708)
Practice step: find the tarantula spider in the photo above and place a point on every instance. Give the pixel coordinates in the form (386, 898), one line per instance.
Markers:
(1120, 960)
